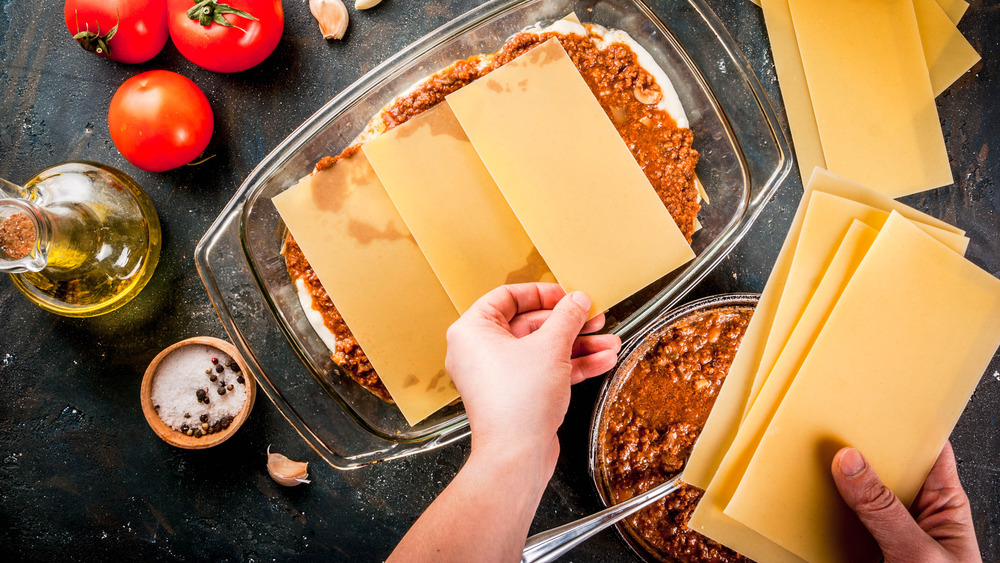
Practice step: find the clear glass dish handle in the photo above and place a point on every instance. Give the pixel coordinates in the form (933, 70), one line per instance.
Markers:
(550, 545)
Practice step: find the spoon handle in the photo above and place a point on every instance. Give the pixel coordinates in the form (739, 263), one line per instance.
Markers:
(548, 546)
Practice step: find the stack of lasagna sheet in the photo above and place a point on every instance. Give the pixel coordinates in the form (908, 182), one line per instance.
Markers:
(859, 79)
(873, 331)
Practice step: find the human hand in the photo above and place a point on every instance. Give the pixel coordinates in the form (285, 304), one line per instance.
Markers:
(513, 356)
(942, 530)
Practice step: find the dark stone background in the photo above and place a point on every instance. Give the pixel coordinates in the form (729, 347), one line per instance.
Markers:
(81, 474)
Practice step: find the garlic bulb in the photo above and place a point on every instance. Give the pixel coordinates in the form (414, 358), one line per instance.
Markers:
(285, 471)
(332, 17)
(365, 4)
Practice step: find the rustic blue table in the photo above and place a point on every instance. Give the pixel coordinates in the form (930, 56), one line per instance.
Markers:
(83, 477)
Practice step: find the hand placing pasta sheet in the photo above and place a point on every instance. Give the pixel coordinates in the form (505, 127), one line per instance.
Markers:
(872, 332)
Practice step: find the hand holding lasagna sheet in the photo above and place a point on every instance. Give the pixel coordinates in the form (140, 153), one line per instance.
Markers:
(534, 171)
(745, 378)
(556, 156)
(883, 353)
(460, 220)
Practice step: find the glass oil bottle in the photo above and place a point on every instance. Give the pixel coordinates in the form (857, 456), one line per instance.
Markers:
(79, 239)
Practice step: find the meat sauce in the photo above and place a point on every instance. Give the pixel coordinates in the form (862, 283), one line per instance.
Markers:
(651, 423)
(662, 149)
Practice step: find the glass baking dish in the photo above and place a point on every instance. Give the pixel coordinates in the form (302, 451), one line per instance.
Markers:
(744, 158)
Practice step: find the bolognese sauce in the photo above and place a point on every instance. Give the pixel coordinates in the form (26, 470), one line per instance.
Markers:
(651, 422)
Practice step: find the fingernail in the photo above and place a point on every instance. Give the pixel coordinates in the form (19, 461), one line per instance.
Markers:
(581, 299)
(851, 462)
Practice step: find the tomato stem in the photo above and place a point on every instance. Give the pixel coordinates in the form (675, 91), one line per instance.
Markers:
(207, 12)
(201, 161)
(95, 42)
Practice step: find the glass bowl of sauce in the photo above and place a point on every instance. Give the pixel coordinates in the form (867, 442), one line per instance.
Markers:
(649, 415)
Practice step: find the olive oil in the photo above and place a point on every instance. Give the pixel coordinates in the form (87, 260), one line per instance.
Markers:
(98, 238)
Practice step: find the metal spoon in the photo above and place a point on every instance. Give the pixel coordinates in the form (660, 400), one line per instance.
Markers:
(548, 546)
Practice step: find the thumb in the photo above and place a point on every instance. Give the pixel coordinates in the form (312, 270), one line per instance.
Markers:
(888, 521)
(567, 318)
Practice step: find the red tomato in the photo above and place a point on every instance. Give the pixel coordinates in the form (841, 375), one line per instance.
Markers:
(237, 44)
(127, 31)
(160, 120)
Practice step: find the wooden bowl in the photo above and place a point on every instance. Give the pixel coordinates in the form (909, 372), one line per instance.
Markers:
(176, 437)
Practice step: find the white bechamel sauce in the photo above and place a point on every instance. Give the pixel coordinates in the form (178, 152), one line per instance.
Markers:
(563, 26)
(314, 317)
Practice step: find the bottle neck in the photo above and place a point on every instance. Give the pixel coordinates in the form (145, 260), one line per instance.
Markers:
(11, 190)
(59, 239)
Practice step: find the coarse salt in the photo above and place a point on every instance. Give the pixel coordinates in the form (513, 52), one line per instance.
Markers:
(177, 380)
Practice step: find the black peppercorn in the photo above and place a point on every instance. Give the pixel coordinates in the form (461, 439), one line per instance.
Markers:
(213, 378)
(200, 393)
(184, 427)
(236, 367)
(226, 422)
(240, 380)
(222, 390)
(219, 369)
(204, 418)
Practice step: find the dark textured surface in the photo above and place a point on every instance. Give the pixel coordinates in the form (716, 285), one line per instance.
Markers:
(81, 474)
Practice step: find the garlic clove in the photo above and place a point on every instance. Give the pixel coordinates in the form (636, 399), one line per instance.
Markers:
(285, 471)
(332, 17)
(365, 4)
